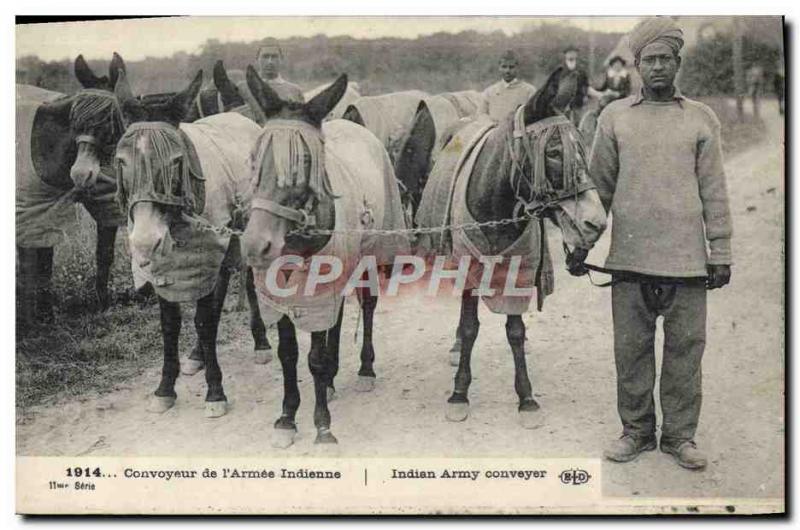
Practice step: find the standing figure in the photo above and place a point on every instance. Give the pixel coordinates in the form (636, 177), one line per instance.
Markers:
(503, 97)
(575, 109)
(657, 163)
(270, 60)
(616, 82)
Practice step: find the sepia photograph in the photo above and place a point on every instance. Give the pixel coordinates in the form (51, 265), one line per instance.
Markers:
(401, 265)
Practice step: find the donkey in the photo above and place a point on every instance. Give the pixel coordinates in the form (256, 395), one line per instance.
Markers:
(298, 177)
(533, 163)
(64, 149)
(179, 184)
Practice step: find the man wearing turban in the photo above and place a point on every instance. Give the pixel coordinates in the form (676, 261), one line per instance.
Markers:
(657, 163)
(503, 97)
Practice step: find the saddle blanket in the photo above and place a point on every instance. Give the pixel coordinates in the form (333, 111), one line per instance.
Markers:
(444, 202)
(42, 210)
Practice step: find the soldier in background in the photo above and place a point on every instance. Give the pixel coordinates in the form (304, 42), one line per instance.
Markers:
(269, 62)
(503, 97)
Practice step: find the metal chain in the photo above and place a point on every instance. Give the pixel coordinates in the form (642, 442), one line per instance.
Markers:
(203, 225)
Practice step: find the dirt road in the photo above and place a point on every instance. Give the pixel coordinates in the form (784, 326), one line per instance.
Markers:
(571, 364)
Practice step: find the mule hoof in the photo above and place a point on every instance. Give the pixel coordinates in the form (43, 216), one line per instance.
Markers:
(282, 438)
(192, 366)
(215, 409)
(455, 357)
(160, 404)
(262, 356)
(457, 411)
(325, 437)
(331, 394)
(365, 383)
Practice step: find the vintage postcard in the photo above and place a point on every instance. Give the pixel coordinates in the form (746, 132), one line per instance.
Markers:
(400, 265)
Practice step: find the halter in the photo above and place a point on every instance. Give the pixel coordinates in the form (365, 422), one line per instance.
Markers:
(529, 143)
(288, 138)
(95, 108)
(155, 180)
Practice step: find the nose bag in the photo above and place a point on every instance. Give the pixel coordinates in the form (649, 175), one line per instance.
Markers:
(186, 265)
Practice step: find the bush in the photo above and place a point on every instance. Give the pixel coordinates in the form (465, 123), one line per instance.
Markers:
(707, 68)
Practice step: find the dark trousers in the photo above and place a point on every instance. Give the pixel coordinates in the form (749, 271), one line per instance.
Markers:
(636, 306)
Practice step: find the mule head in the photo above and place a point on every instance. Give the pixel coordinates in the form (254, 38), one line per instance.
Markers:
(153, 180)
(289, 167)
(560, 182)
(96, 121)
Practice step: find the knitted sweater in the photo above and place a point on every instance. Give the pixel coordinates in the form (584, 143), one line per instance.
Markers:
(501, 99)
(658, 168)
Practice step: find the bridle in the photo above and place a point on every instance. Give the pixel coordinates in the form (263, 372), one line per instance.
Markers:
(118, 123)
(297, 133)
(529, 144)
(171, 142)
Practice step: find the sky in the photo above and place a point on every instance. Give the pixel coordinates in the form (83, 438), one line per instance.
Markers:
(136, 39)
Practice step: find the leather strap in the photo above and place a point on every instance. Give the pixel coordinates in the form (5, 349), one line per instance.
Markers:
(301, 217)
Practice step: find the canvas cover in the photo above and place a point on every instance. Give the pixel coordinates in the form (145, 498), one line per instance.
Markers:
(444, 202)
(42, 210)
(361, 175)
(187, 267)
(447, 109)
(389, 116)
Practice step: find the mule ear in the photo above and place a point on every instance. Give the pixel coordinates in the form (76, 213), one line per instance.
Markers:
(122, 89)
(117, 65)
(323, 103)
(85, 76)
(266, 98)
(132, 108)
(182, 101)
(540, 105)
(227, 90)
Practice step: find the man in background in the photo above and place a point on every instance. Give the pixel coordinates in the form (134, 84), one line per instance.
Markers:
(269, 63)
(503, 97)
(657, 163)
(575, 109)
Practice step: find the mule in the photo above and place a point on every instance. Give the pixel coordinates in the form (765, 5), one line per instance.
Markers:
(63, 156)
(528, 167)
(224, 96)
(387, 116)
(298, 179)
(179, 184)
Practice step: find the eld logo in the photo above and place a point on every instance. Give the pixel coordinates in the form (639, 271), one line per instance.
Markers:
(576, 477)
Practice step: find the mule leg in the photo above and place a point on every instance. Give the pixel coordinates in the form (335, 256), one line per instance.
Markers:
(455, 350)
(285, 426)
(458, 404)
(262, 349)
(206, 321)
(27, 294)
(196, 359)
(515, 333)
(320, 363)
(366, 373)
(165, 395)
(104, 258)
(332, 344)
(44, 284)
